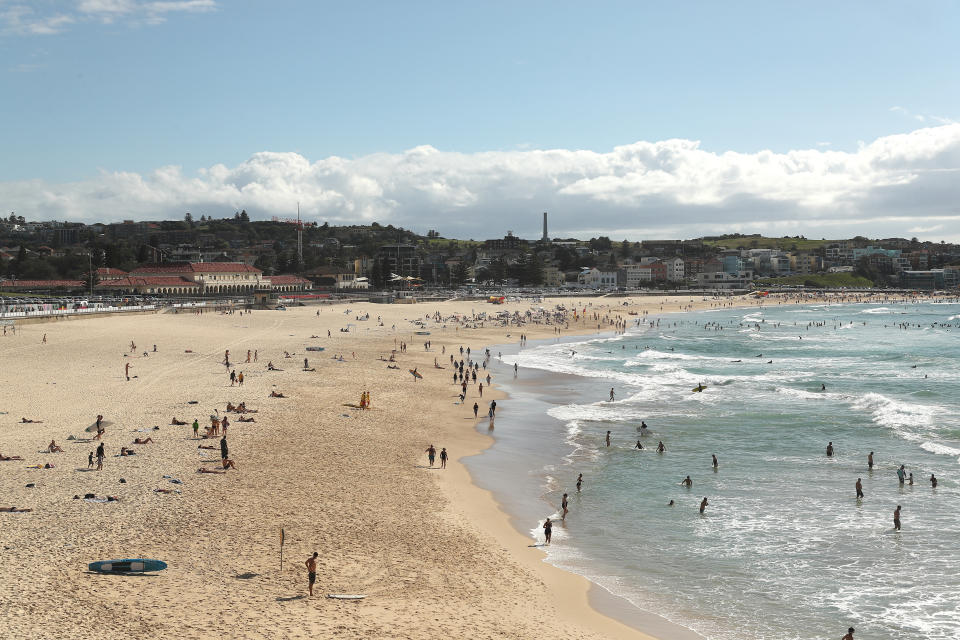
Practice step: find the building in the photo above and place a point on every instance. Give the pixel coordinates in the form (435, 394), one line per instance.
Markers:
(806, 263)
(929, 280)
(509, 242)
(401, 259)
(596, 279)
(725, 280)
(212, 277)
(675, 269)
(553, 277)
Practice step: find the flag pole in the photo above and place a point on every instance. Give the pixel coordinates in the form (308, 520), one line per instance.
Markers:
(281, 549)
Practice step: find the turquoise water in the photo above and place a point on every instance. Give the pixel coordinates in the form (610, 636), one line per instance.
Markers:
(784, 549)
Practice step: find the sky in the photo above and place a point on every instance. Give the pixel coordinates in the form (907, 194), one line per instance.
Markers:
(628, 119)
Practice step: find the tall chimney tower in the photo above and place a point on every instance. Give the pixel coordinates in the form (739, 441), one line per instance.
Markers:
(546, 238)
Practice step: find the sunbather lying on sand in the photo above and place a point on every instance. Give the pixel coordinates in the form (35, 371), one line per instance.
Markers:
(242, 419)
(146, 440)
(28, 421)
(178, 422)
(277, 394)
(54, 447)
(127, 452)
(14, 510)
(4, 458)
(205, 446)
(202, 470)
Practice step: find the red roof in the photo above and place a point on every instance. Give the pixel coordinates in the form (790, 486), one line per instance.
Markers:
(43, 284)
(156, 281)
(110, 271)
(170, 267)
(283, 280)
(223, 267)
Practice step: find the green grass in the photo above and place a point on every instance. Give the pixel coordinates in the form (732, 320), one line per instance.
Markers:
(823, 280)
(8, 294)
(753, 242)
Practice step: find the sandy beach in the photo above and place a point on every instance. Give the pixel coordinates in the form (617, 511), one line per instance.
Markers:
(433, 553)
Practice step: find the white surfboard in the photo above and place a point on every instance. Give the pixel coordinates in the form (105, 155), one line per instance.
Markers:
(346, 596)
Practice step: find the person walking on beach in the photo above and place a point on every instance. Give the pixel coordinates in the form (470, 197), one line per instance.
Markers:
(443, 458)
(859, 490)
(493, 408)
(896, 518)
(703, 504)
(431, 454)
(476, 408)
(311, 571)
(547, 530)
(849, 635)
(90, 461)
(830, 449)
(233, 377)
(100, 456)
(579, 482)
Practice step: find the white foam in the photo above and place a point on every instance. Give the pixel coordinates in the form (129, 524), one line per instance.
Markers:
(940, 449)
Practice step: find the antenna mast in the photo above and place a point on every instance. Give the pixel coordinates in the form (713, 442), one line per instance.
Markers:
(299, 235)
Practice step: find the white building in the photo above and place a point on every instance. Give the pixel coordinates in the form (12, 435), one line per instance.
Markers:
(596, 279)
(724, 280)
(676, 270)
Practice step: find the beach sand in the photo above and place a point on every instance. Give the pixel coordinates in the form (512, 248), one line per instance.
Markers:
(434, 554)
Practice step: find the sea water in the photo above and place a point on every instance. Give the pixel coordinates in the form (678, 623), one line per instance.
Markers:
(784, 549)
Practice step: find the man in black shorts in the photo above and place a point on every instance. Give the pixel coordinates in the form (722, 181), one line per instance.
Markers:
(312, 570)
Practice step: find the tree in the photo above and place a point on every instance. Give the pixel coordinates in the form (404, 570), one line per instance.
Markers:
(188, 218)
(243, 216)
(625, 248)
(459, 274)
(143, 254)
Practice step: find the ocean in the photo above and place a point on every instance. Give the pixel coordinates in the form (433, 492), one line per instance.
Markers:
(784, 549)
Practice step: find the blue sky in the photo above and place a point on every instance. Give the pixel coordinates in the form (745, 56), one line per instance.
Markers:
(94, 88)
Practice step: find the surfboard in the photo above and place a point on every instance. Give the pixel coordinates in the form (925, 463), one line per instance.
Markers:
(415, 374)
(346, 596)
(699, 389)
(315, 348)
(130, 565)
(103, 425)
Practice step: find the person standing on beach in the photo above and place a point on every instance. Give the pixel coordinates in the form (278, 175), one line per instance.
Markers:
(859, 489)
(90, 461)
(100, 456)
(579, 482)
(311, 571)
(233, 377)
(896, 518)
(224, 452)
(830, 449)
(493, 408)
(443, 458)
(196, 428)
(476, 408)
(240, 379)
(547, 530)
(431, 454)
(703, 504)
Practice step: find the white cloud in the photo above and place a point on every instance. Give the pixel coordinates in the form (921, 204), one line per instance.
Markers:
(23, 19)
(893, 186)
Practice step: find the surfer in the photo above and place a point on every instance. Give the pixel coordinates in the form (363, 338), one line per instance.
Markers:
(703, 504)
(311, 571)
(639, 446)
(859, 489)
(642, 428)
(660, 447)
(830, 449)
(823, 387)
(547, 530)
(896, 518)
(687, 482)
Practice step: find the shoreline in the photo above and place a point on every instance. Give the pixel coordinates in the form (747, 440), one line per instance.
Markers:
(350, 484)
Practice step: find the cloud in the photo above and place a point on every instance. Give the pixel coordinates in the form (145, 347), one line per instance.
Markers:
(24, 20)
(670, 188)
